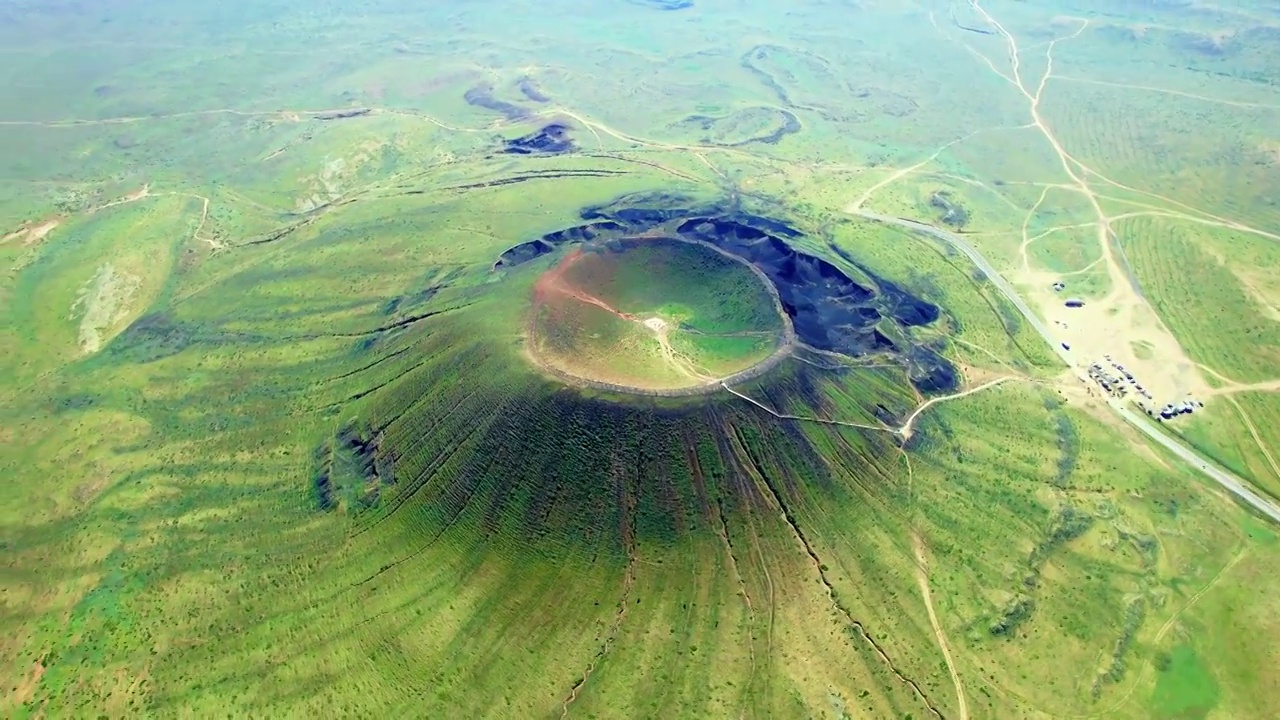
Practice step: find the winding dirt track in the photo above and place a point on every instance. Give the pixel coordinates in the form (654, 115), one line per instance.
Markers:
(1231, 482)
(904, 430)
(1124, 296)
(553, 283)
(922, 579)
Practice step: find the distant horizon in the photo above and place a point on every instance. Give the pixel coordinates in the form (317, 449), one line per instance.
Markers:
(640, 358)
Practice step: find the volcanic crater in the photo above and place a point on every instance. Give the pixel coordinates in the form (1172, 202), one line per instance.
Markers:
(846, 310)
(657, 315)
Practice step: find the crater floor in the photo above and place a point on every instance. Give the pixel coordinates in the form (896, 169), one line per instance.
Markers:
(656, 316)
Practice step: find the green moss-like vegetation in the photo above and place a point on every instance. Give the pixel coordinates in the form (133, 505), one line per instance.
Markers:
(654, 315)
(1184, 687)
(701, 288)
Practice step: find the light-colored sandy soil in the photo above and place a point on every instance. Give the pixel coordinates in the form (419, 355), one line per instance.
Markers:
(332, 182)
(1234, 388)
(1271, 150)
(1087, 397)
(26, 688)
(682, 364)
(1263, 287)
(1111, 326)
(31, 233)
(102, 303)
(136, 195)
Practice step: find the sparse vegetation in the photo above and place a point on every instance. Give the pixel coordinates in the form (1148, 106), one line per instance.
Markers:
(273, 444)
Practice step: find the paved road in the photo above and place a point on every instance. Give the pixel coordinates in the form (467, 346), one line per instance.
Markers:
(1234, 484)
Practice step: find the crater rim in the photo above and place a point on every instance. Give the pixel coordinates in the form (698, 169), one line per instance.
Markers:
(653, 322)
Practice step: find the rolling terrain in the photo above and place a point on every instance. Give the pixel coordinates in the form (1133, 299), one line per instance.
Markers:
(655, 359)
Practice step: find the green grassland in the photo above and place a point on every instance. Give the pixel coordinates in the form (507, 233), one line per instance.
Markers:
(1209, 287)
(590, 342)
(721, 352)
(271, 443)
(718, 317)
(1202, 286)
(699, 288)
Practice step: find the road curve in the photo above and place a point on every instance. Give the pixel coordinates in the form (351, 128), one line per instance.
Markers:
(1232, 483)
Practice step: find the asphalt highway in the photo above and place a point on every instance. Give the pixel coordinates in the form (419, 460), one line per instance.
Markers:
(1231, 482)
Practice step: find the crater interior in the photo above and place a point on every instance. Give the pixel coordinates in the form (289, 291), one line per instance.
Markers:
(656, 315)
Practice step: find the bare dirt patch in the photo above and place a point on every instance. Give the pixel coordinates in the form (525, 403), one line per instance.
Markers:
(1122, 325)
(656, 324)
(1262, 287)
(26, 689)
(334, 179)
(88, 490)
(324, 187)
(102, 303)
(30, 233)
(1086, 397)
(1271, 152)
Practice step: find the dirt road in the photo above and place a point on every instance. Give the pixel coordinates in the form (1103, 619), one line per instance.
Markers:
(922, 579)
(1235, 485)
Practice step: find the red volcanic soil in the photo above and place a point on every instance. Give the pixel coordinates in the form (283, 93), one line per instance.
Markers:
(554, 284)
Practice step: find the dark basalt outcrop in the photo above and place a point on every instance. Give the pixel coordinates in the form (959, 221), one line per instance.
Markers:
(649, 210)
(526, 177)
(525, 252)
(829, 308)
(908, 310)
(551, 139)
(929, 371)
(350, 470)
(343, 114)
(950, 212)
(482, 96)
(529, 88)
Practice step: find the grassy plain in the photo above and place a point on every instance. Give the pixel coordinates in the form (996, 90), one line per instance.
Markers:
(179, 363)
(1209, 290)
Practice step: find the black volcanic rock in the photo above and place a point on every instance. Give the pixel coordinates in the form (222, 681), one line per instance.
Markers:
(829, 309)
(525, 252)
(342, 114)
(482, 96)
(530, 89)
(552, 139)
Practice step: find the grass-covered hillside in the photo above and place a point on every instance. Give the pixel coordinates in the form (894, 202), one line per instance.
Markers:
(306, 408)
